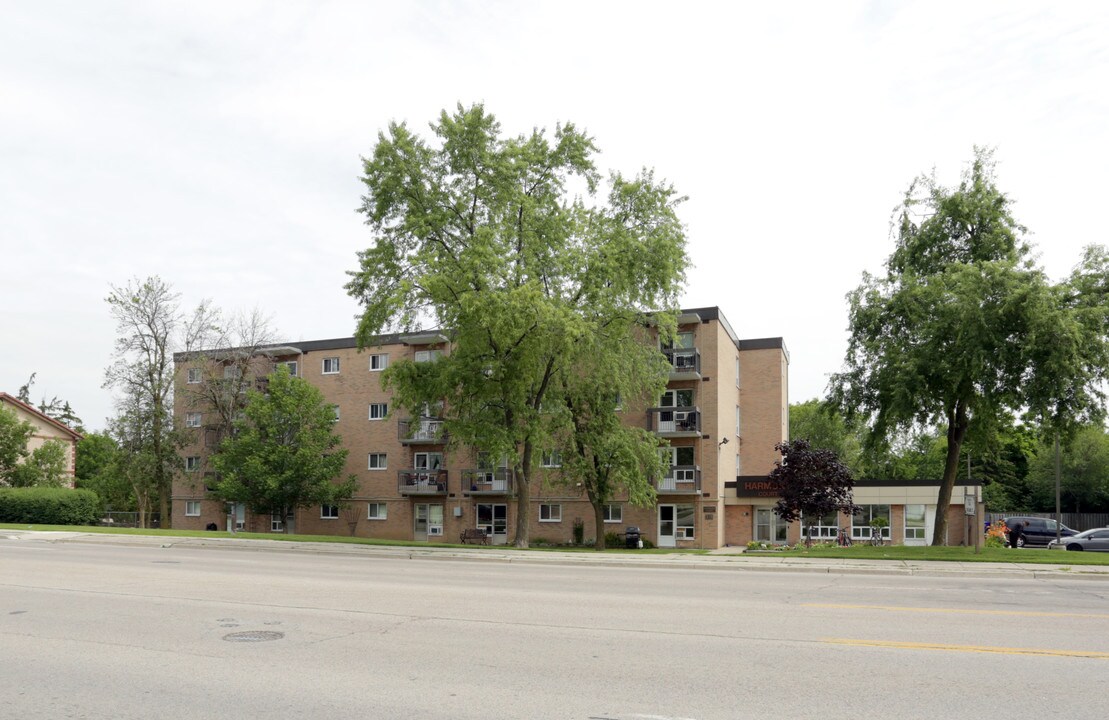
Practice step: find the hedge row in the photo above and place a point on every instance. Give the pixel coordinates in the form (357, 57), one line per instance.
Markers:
(49, 506)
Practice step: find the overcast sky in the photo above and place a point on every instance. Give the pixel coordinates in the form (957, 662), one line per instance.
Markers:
(217, 145)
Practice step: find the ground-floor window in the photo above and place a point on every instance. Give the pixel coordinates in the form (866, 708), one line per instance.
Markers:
(863, 520)
(825, 527)
(914, 522)
(277, 523)
(614, 513)
(377, 511)
(550, 512)
(192, 508)
(769, 527)
(329, 512)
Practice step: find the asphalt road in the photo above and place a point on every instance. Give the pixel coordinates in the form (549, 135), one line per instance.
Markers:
(105, 631)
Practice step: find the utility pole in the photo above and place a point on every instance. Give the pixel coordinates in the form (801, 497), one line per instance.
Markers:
(1058, 474)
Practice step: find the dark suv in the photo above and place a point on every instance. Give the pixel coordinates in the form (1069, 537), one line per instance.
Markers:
(1038, 531)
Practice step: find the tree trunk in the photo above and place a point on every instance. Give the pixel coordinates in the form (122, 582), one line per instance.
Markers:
(599, 522)
(523, 498)
(956, 431)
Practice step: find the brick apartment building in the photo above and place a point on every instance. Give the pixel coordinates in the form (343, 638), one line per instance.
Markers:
(725, 407)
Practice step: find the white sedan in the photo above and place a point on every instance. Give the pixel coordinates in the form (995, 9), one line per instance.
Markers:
(1096, 539)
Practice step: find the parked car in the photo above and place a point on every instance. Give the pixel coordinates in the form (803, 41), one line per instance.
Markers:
(1096, 539)
(1038, 531)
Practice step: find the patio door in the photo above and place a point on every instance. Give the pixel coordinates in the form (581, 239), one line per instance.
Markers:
(427, 521)
(493, 519)
(666, 526)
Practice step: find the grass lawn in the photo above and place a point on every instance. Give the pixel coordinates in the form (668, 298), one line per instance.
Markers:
(950, 554)
(94, 529)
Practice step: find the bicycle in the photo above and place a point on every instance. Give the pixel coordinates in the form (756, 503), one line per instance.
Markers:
(844, 538)
(876, 538)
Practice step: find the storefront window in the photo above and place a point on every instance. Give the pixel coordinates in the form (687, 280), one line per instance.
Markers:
(914, 522)
(823, 527)
(867, 514)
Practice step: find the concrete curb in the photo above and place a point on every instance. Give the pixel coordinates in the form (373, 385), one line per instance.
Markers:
(718, 561)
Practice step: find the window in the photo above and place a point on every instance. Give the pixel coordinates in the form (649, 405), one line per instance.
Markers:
(335, 409)
(378, 411)
(192, 508)
(329, 512)
(427, 460)
(379, 362)
(192, 463)
(769, 527)
(862, 521)
(377, 511)
(550, 512)
(737, 466)
(551, 459)
(291, 366)
(614, 513)
(232, 372)
(685, 517)
(428, 355)
(277, 523)
(825, 526)
(677, 398)
(193, 376)
(914, 522)
(331, 366)
(377, 461)
(737, 372)
(192, 420)
(737, 420)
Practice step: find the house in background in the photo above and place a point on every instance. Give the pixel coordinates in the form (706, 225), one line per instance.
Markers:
(45, 428)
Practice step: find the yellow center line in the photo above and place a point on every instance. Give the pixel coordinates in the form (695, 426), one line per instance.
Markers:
(956, 611)
(969, 648)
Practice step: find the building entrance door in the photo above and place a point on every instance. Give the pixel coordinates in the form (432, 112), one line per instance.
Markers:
(493, 519)
(427, 521)
(666, 534)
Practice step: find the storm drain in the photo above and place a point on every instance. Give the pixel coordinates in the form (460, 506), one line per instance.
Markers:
(253, 636)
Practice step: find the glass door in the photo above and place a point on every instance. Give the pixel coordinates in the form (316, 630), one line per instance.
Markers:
(427, 521)
(493, 519)
(666, 518)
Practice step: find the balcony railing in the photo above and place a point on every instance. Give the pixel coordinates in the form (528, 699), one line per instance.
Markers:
(425, 431)
(675, 421)
(680, 479)
(685, 363)
(419, 481)
(487, 482)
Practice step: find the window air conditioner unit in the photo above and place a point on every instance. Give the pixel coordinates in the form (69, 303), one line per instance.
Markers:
(435, 530)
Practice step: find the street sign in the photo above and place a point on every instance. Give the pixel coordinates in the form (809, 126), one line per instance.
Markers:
(971, 502)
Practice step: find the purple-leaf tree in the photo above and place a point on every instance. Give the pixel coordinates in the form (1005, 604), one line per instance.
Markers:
(812, 483)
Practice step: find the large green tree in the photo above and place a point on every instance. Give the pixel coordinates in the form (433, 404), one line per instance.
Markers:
(824, 427)
(44, 466)
(963, 328)
(1084, 465)
(14, 435)
(612, 367)
(284, 453)
(505, 242)
(148, 318)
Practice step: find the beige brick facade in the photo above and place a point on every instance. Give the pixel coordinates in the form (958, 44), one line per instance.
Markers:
(733, 426)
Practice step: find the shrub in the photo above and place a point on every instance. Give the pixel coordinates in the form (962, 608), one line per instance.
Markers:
(49, 506)
(613, 540)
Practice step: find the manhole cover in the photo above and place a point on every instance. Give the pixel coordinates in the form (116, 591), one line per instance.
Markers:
(253, 636)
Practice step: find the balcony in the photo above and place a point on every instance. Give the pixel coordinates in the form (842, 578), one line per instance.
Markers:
(487, 482)
(680, 480)
(420, 481)
(425, 431)
(685, 363)
(675, 422)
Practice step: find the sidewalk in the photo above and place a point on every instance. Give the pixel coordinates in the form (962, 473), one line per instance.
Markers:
(723, 559)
